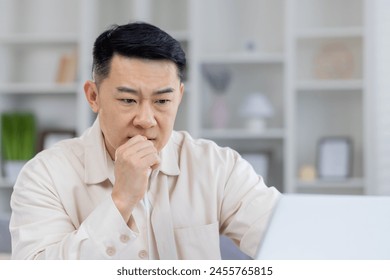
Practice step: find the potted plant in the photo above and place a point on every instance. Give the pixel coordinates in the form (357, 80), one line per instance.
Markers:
(18, 141)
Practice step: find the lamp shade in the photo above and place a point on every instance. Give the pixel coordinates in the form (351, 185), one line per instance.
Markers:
(256, 105)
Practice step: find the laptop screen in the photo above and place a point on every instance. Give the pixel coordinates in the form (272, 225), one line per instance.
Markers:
(328, 227)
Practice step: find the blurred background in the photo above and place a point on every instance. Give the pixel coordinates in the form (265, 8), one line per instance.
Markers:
(300, 88)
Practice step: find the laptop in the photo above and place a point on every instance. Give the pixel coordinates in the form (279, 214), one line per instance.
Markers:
(328, 227)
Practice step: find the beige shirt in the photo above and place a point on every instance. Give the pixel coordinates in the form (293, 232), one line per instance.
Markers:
(62, 206)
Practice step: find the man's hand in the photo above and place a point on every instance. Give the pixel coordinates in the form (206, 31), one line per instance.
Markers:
(134, 161)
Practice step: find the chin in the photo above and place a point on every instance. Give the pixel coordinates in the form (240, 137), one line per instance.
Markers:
(158, 146)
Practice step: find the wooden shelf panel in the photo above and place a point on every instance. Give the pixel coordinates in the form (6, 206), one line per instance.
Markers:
(329, 85)
(243, 134)
(40, 39)
(244, 57)
(353, 183)
(38, 88)
(322, 33)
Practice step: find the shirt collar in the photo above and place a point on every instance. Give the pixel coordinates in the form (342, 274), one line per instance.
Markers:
(169, 164)
(96, 161)
(95, 158)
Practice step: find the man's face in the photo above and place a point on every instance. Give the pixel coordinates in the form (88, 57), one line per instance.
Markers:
(139, 97)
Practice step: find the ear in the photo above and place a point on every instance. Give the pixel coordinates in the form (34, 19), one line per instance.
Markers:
(91, 93)
(181, 92)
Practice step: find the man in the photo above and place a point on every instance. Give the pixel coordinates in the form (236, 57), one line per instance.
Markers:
(130, 187)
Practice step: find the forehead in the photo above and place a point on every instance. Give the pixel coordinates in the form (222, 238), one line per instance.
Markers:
(130, 67)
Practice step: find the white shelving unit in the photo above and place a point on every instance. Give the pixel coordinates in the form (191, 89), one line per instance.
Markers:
(244, 41)
(32, 40)
(326, 89)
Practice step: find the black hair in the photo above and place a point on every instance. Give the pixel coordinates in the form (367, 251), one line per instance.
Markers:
(139, 40)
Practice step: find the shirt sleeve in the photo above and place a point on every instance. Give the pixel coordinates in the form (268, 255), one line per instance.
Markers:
(247, 207)
(41, 228)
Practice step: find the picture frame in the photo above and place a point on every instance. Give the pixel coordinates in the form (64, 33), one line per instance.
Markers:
(334, 158)
(51, 136)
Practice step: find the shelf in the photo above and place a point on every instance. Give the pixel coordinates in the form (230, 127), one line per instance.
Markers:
(41, 39)
(35, 88)
(242, 134)
(353, 183)
(320, 33)
(244, 57)
(329, 85)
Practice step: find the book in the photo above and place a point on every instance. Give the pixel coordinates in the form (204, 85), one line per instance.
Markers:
(67, 68)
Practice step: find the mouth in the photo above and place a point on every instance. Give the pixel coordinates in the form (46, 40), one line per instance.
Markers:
(148, 138)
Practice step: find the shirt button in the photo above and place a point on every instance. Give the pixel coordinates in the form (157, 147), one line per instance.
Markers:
(142, 254)
(124, 238)
(110, 251)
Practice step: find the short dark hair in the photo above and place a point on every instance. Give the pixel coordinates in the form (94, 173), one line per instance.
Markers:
(139, 40)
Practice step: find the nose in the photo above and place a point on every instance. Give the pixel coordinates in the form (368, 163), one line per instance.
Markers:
(144, 117)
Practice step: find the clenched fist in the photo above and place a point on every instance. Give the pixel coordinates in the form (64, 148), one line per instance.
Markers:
(134, 161)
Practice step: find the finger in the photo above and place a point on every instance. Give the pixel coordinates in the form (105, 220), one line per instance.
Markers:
(140, 156)
(152, 160)
(139, 149)
(132, 142)
(146, 152)
(144, 145)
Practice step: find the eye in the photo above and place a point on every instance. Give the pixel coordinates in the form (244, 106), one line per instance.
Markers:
(162, 101)
(128, 101)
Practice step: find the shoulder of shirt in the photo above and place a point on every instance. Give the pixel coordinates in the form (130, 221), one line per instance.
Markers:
(57, 157)
(63, 149)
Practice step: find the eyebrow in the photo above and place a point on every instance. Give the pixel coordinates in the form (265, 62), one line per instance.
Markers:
(134, 91)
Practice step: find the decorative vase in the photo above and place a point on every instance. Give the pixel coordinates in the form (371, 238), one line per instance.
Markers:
(219, 112)
(219, 78)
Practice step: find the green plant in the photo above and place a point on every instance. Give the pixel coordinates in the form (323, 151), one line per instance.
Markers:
(18, 136)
